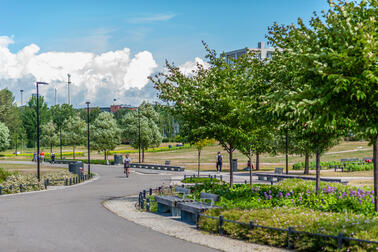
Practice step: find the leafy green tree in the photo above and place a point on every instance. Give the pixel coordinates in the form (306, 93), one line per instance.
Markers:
(49, 135)
(149, 132)
(105, 133)
(93, 114)
(29, 118)
(334, 82)
(74, 129)
(199, 145)
(59, 114)
(4, 137)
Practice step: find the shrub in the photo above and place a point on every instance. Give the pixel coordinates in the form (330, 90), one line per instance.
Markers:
(200, 180)
(348, 166)
(4, 174)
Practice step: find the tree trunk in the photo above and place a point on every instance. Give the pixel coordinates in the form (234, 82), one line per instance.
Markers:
(142, 155)
(257, 161)
(307, 164)
(105, 155)
(375, 160)
(50, 149)
(250, 167)
(16, 146)
(287, 154)
(73, 152)
(199, 162)
(231, 170)
(317, 170)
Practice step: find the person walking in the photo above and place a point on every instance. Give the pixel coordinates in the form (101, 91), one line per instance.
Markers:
(219, 160)
(52, 158)
(126, 165)
(42, 157)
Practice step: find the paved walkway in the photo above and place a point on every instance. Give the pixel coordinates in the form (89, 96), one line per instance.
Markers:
(73, 219)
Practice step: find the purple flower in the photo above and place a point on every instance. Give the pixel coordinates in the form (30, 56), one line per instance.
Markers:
(270, 197)
(281, 195)
(258, 200)
(270, 192)
(300, 198)
(287, 195)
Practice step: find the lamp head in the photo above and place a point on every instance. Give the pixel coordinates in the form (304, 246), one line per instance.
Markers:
(42, 83)
(87, 102)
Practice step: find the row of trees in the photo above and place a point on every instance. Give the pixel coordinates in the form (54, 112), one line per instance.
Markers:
(321, 85)
(64, 125)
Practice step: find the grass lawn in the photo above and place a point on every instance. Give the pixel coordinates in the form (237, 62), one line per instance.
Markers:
(30, 169)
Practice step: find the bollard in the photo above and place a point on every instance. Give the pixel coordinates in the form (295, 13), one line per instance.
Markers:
(221, 178)
(11, 187)
(245, 181)
(148, 205)
(215, 176)
(289, 238)
(271, 182)
(191, 179)
(1, 190)
(70, 181)
(142, 204)
(77, 179)
(144, 194)
(150, 191)
(221, 221)
(21, 188)
(251, 225)
(48, 182)
(209, 175)
(45, 182)
(66, 182)
(170, 187)
(184, 176)
(211, 178)
(159, 189)
(340, 240)
(140, 198)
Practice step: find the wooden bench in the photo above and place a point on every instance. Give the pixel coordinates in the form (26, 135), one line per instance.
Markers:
(270, 177)
(168, 203)
(190, 210)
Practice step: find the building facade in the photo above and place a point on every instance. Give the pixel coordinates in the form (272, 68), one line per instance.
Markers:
(263, 52)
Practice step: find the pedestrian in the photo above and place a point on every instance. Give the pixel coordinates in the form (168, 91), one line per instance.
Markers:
(53, 158)
(219, 160)
(126, 165)
(42, 157)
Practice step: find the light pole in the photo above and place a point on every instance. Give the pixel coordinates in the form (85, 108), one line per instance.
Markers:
(38, 164)
(89, 153)
(139, 132)
(22, 101)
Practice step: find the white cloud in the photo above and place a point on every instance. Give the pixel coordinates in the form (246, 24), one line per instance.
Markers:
(189, 67)
(95, 77)
(151, 18)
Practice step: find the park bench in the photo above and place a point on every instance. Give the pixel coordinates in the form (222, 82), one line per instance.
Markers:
(270, 177)
(190, 210)
(278, 170)
(168, 203)
(157, 167)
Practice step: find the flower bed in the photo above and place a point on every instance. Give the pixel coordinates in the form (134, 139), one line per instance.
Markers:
(200, 180)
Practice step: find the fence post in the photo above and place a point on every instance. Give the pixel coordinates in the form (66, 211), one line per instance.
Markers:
(11, 188)
(245, 181)
(66, 181)
(340, 237)
(211, 178)
(144, 194)
(221, 221)
(1, 190)
(148, 204)
(48, 181)
(191, 179)
(251, 226)
(70, 181)
(150, 191)
(221, 177)
(140, 199)
(184, 176)
(21, 188)
(289, 236)
(142, 203)
(170, 187)
(45, 182)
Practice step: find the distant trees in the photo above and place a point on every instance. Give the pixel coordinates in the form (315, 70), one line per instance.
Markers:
(105, 133)
(74, 129)
(49, 135)
(4, 137)
(146, 121)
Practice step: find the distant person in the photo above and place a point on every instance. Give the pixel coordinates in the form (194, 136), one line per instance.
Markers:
(42, 157)
(219, 160)
(53, 158)
(126, 165)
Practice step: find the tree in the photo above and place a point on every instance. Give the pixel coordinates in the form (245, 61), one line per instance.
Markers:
(149, 132)
(29, 118)
(335, 83)
(74, 129)
(199, 145)
(4, 137)
(105, 133)
(59, 114)
(94, 113)
(49, 135)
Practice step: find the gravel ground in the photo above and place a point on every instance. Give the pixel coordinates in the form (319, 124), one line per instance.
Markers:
(172, 226)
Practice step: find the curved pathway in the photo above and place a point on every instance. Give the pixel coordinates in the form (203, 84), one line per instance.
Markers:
(73, 219)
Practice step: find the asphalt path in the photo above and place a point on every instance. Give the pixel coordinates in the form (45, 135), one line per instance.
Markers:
(73, 219)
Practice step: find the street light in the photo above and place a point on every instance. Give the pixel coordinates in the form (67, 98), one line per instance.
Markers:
(38, 165)
(22, 101)
(139, 132)
(89, 153)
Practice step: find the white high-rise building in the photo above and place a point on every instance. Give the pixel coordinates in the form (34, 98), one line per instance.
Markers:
(263, 51)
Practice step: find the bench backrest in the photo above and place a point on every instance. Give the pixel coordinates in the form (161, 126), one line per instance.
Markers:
(209, 196)
(182, 190)
(278, 170)
(349, 159)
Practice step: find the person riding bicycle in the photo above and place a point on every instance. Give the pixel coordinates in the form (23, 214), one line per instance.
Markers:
(126, 165)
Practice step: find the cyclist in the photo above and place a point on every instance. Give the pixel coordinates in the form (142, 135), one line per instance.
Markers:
(126, 165)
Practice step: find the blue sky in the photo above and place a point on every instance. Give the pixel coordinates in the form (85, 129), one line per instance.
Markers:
(170, 30)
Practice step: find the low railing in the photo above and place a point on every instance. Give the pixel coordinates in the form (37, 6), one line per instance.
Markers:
(157, 167)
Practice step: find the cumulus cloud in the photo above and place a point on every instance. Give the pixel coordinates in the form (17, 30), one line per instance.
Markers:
(95, 77)
(189, 67)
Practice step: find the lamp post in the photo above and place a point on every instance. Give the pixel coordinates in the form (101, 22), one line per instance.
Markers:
(22, 101)
(89, 153)
(38, 164)
(139, 132)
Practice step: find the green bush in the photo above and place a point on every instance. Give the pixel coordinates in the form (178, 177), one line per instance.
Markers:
(348, 166)
(200, 180)
(4, 174)
(301, 219)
